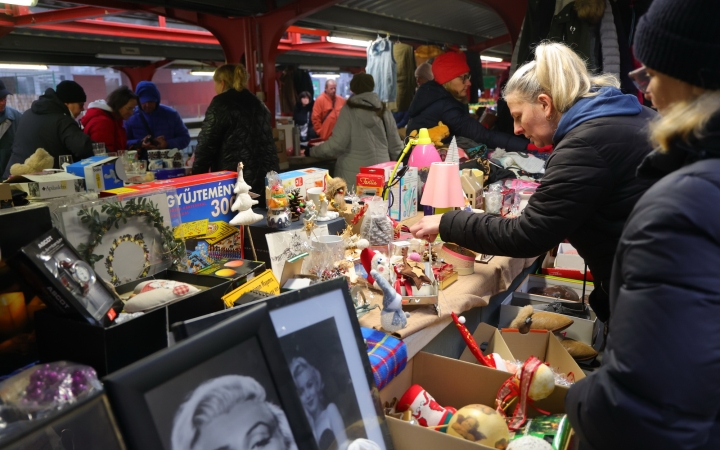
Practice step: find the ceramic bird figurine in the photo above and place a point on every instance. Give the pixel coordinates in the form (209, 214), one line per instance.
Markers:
(392, 317)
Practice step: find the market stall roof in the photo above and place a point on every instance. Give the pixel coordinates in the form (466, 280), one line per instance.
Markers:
(76, 39)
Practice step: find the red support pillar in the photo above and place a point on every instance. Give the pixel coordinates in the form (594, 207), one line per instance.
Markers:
(138, 74)
(272, 28)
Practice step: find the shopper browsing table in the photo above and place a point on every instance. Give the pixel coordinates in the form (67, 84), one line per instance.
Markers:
(444, 99)
(589, 187)
(658, 386)
(103, 121)
(50, 124)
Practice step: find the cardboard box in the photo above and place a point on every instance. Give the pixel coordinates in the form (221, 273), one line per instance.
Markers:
(279, 138)
(546, 347)
(581, 330)
(302, 179)
(50, 185)
(550, 266)
(489, 336)
(104, 349)
(100, 172)
(452, 383)
(205, 196)
(287, 130)
(541, 281)
(405, 196)
(369, 184)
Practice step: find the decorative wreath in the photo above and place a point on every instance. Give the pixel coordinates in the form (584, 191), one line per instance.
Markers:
(118, 214)
(138, 240)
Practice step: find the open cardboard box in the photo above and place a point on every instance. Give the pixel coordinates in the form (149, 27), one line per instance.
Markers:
(541, 281)
(495, 344)
(581, 330)
(545, 346)
(452, 383)
(549, 267)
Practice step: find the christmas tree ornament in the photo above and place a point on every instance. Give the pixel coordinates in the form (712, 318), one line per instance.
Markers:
(424, 409)
(243, 202)
(452, 153)
(392, 317)
(243, 206)
(480, 424)
(296, 204)
(533, 381)
(529, 443)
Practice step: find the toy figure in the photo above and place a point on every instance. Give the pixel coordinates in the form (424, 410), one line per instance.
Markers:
(392, 317)
(310, 214)
(375, 261)
(336, 189)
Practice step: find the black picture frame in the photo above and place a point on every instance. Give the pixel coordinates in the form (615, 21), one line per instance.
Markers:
(88, 425)
(141, 395)
(333, 294)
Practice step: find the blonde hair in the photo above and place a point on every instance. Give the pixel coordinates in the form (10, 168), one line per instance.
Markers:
(558, 72)
(685, 120)
(233, 75)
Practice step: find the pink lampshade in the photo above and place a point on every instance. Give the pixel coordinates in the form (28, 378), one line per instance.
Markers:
(443, 188)
(423, 155)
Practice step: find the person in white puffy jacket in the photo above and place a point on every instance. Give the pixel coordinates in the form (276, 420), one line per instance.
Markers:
(365, 133)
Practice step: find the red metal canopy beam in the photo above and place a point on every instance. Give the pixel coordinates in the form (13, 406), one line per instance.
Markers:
(310, 31)
(133, 31)
(63, 15)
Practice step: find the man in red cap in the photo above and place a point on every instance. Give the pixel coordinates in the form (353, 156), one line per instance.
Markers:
(444, 99)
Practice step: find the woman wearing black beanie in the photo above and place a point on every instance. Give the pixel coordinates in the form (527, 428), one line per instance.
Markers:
(658, 387)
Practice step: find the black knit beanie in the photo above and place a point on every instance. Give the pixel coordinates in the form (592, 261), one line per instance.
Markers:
(70, 92)
(681, 38)
(362, 83)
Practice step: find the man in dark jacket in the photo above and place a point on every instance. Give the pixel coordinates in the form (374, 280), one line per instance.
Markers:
(588, 190)
(50, 124)
(444, 99)
(155, 126)
(9, 122)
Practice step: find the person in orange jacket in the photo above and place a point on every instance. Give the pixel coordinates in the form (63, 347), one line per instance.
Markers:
(326, 110)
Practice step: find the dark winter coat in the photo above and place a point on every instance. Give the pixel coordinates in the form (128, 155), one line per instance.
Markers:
(658, 386)
(102, 125)
(433, 104)
(587, 193)
(9, 122)
(164, 121)
(237, 129)
(48, 124)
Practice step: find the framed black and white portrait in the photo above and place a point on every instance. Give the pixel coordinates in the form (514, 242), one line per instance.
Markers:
(322, 343)
(226, 388)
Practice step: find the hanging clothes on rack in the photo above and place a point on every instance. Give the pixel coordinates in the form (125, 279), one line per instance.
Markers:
(577, 25)
(535, 28)
(303, 82)
(288, 96)
(424, 53)
(476, 75)
(381, 65)
(405, 60)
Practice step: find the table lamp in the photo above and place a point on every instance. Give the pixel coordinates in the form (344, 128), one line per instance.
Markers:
(424, 153)
(443, 189)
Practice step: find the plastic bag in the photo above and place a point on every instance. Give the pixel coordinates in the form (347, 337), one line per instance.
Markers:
(42, 390)
(377, 227)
